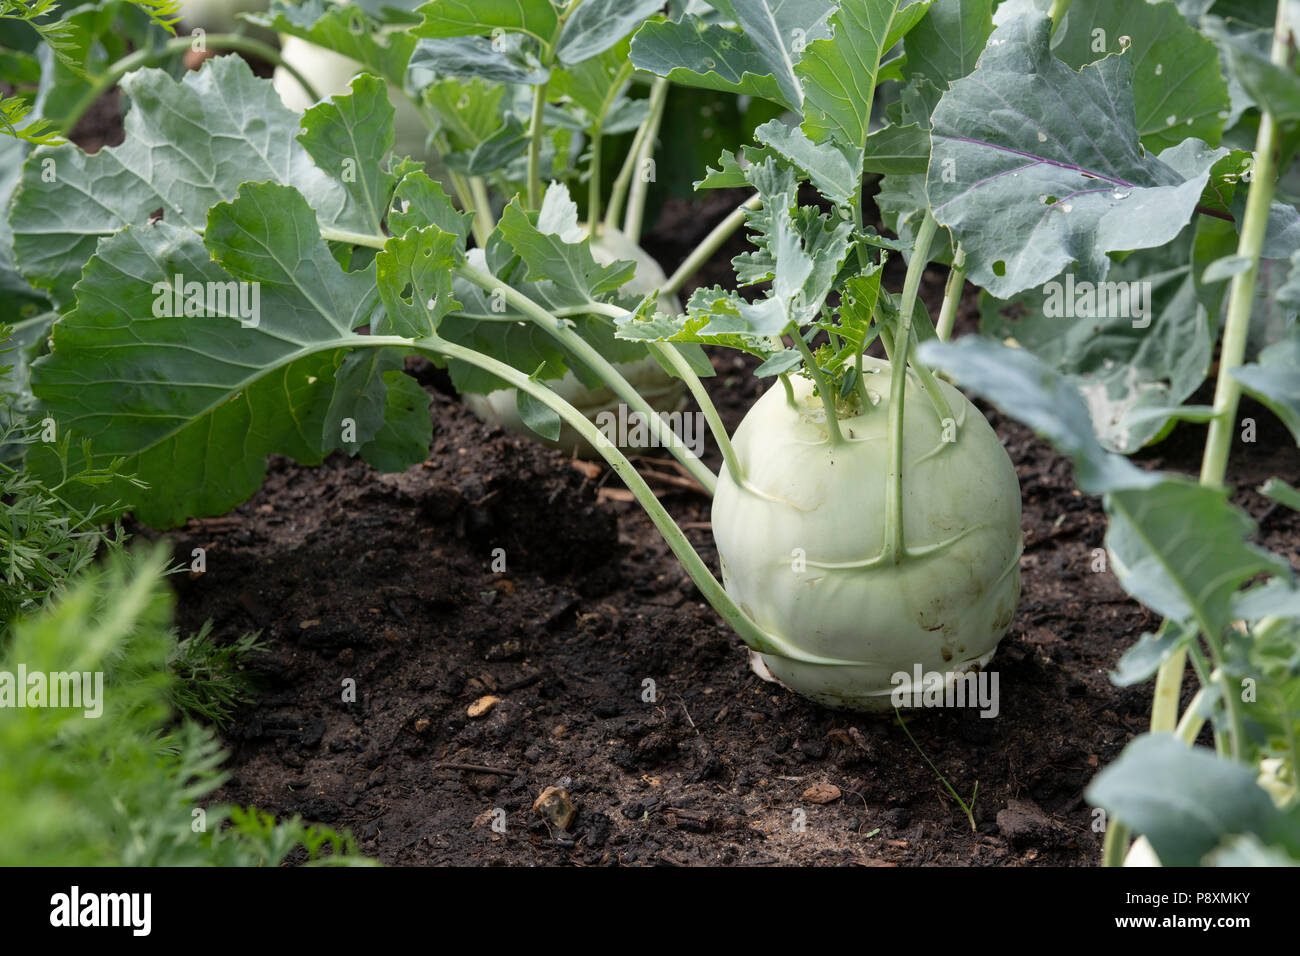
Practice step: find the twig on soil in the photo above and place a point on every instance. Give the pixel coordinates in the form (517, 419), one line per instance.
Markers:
(476, 768)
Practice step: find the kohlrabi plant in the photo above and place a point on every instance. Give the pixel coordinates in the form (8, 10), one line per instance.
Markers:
(248, 280)
(1230, 608)
(500, 105)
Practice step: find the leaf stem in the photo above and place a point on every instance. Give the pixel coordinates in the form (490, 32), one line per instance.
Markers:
(586, 353)
(640, 184)
(535, 147)
(593, 182)
(952, 295)
(1227, 390)
(898, 387)
(713, 592)
(687, 374)
(824, 392)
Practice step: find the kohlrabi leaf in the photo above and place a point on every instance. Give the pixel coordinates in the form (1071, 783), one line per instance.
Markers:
(468, 111)
(378, 411)
(403, 439)
(349, 136)
(839, 74)
(346, 29)
(245, 370)
(1185, 800)
(598, 25)
(188, 146)
(798, 250)
(556, 251)
(597, 83)
(897, 150)
(540, 418)
(1141, 661)
(1026, 388)
(1251, 65)
(1281, 492)
(498, 150)
(413, 274)
(1181, 549)
(1178, 84)
(1138, 341)
(757, 57)
(419, 201)
(1275, 380)
(834, 169)
(712, 317)
(500, 60)
(948, 41)
(459, 18)
(1057, 155)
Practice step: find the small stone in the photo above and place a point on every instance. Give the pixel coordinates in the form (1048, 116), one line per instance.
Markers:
(483, 706)
(554, 806)
(822, 793)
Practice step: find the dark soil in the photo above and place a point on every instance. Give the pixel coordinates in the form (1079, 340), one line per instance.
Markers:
(387, 581)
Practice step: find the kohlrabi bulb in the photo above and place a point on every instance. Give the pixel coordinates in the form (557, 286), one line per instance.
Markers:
(800, 544)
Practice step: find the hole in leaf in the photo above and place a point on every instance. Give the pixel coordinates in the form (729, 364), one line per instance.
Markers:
(1000, 268)
(408, 294)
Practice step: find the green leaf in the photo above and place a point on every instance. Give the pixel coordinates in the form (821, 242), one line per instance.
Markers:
(189, 145)
(555, 249)
(349, 136)
(413, 274)
(1141, 661)
(1185, 800)
(712, 317)
(172, 394)
(357, 406)
(458, 18)
(404, 437)
(1237, 852)
(1275, 380)
(419, 201)
(897, 150)
(948, 41)
(839, 74)
(1251, 65)
(1138, 342)
(538, 417)
(1180, 548)
(1178, 86)
(500, 60)
(468, 111)
(1023, 386)
(598, 25)
(833, 169)
(500, 149)
(799, 251)
(1057, 154)
(1281, 492)
(757, 58)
